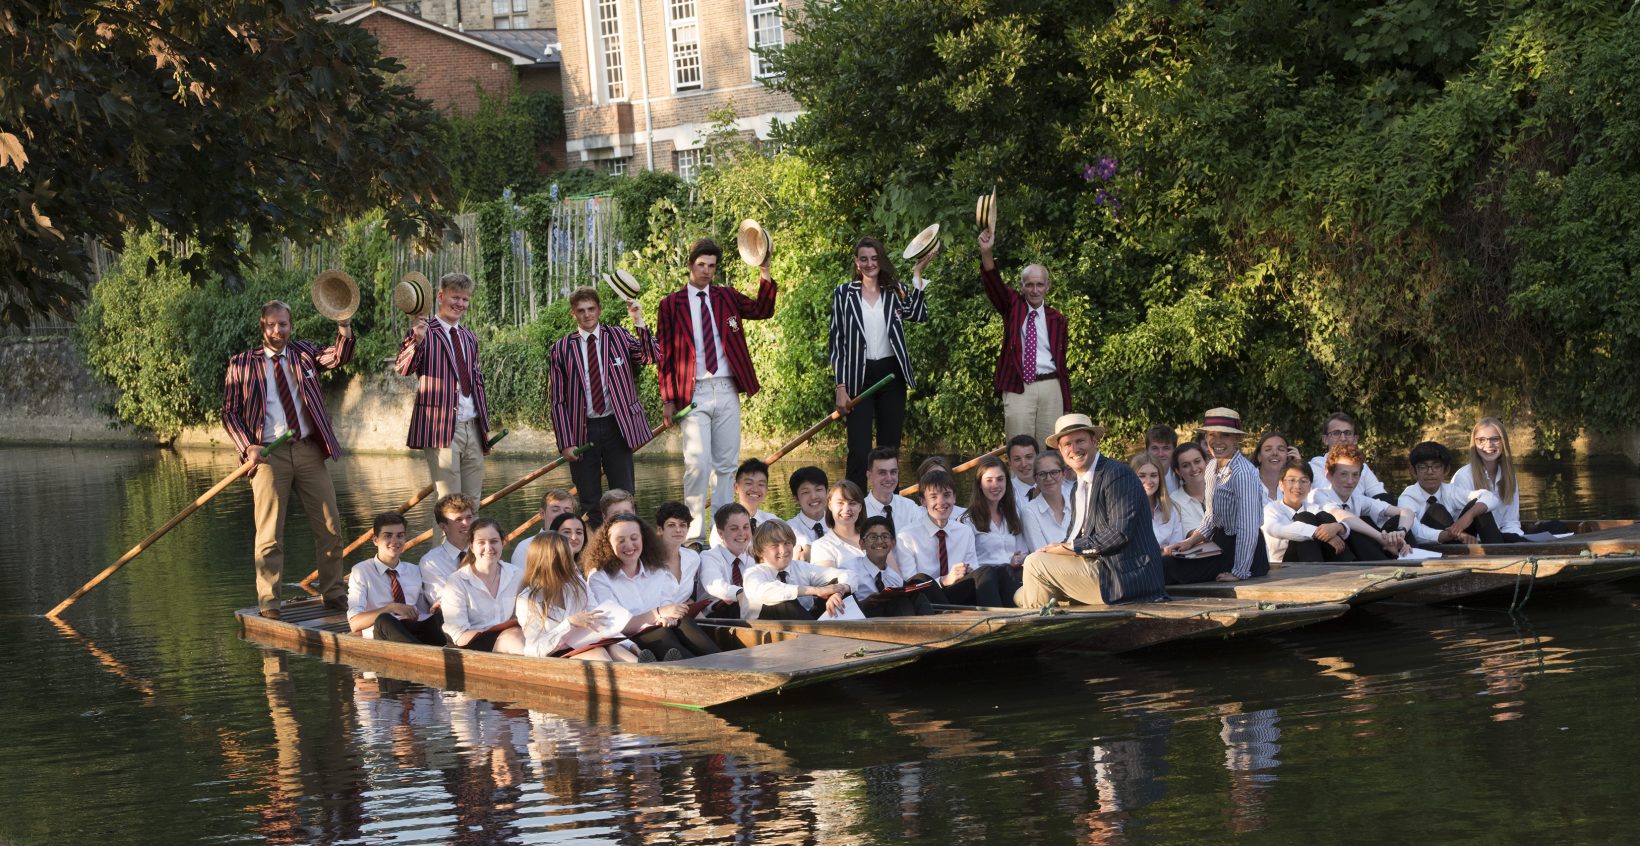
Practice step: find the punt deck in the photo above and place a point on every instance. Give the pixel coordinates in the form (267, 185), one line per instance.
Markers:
(1311, 583)
(964, 630)
(1188, 618)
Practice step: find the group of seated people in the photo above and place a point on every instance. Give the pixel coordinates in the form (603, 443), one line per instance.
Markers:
(611, 586)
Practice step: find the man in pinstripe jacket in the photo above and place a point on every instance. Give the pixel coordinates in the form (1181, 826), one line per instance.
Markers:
(450, 420)
(1032, 376)
(594, 396)
(266, 392)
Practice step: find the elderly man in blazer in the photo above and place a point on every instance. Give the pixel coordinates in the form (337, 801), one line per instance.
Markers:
(595, 398)
(266, 392)
(704, 360)
(1032, 376)
(1110, 554)
(450, 421)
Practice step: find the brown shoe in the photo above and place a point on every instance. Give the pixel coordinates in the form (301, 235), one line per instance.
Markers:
(271, 613)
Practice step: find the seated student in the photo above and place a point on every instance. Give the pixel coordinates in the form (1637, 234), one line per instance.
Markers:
(845, 517)
(1442, 513)
(555, 603)
(1341, 429)
(938, 548)
(614, 501)
(1160, 441)
(1491, 468)
(1022, 450)
(883, 473)
(1292, 533)
(479, 598)
(553, 503)
(1190, 467)
(928, 464)
(782, 588)
(1271, 457)
(1048, 514)
(808, 486)
(1375, 527)
(672, 519)
(454, 513)
(1232, 523)
(384, 598)
(723, 567)
(574, 530)
(751, 488)
(627, 569)
(999, 533)
(877, 582)
(1164, 515)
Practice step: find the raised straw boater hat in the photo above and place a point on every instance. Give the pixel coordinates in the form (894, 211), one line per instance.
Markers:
(753, 243)
(920, 245)
(1068, 423)
(624, 284)
(414, 295)
(1222, 420)
(335, 295)
(985, 213)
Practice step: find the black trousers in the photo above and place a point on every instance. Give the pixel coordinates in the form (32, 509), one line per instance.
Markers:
(609, 456)
(991, 586)
(897, 604)
(1484, 527)
(429, 631)
(1313, 550)
(1184, 571)
(792, 609)
(885, 410)
(483, 643)
(686, 637)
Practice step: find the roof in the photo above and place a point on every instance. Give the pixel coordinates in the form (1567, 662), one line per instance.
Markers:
(356, 14)
(540, 43)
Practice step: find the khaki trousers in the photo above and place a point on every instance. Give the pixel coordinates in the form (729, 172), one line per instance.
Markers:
(1034, 411)
(457, 468)
(297, 467)
(1061, 576)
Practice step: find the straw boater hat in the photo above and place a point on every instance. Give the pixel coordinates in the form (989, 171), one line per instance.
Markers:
(1068, 423)
(623, 284)
(753, 243)
(985, 213)
(920, 245)
(335, 295)
(414, 295)
(1222, 420)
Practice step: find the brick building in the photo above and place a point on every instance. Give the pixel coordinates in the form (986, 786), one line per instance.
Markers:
(482, 14)
(640, 78)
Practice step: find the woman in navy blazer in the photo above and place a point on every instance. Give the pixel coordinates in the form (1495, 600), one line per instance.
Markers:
(867, 342)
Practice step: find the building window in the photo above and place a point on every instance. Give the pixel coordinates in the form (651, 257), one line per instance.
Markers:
(510, 14)
(688, 163)
(617, 167)
(684, 31)
(609, 39)
(767, 33)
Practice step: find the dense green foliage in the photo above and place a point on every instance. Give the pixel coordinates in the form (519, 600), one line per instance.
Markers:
(502, 145)
(232, 126)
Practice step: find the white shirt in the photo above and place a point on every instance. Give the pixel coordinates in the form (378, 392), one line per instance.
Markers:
(1359, 504)
(1173, 482)
(1507, 514)
(1169, 529)
(874, 325)
(832, 550)
(996, 546)
(521, 552)
(1280, 529)
(764, 587)
(1079, 497)
(758, 519)
(904, 510)
(1191, 512)
(918, 548)
(465, 409)
(468, 605)
(649, 590)
(1044, 356)
(863, 577)
(274, 421)
(544, 629)
(717, 575)
(581, 336)
(437, 566)
(1416, 499)
(697, 324)
(1041, 526)
(689, 568)
(1022, 490)
(368, 587)
(803, 527)
(1368, 485)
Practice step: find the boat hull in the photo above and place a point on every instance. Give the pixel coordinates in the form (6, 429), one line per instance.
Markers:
(1306, 583)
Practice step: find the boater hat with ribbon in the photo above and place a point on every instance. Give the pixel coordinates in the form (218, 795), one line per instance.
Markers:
(1222, 420)
(624, 284)
(753, 242)
(414, 295)
(335, 295)
(920, 245)
(1068, 423)
(985, 213)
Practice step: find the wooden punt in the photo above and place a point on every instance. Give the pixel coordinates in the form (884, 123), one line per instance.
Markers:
(1517, 572)
(1308, 583)
(753, 661)
(1187, 618)
(1595, 537)
(963, 629)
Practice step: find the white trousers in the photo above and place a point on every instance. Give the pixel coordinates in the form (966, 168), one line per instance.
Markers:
(711, 451)
(1034, 411)
(457, 468)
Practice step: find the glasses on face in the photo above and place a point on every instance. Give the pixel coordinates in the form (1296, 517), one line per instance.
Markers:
(1429, 467)
(877, 537)
(1492, 441)
(1049, 474)
(1341, 433)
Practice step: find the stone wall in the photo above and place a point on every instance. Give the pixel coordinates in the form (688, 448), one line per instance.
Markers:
(48, 396)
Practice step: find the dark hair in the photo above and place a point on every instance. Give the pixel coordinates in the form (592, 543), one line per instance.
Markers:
(750, 466)
(1430, 451)
(1301, 466)
(560, 520)
(1180, 450)
(881, 454)
(1340, 417)
(939, 477)
(385, 519)
(850, 491)
(672, 510)
(585, 292)
(1265, 437)
(980, 518)
(457, 502)
(886, 279)
(720, 519)
(879, 520)
(807, 475)
(1023, 440)
(704, 247)
(600, 553)
(469, 557)
(1161, 434)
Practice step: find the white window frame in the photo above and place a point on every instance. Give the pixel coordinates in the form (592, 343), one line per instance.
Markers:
(688, 163)
(607, 86)
(681, 51)
(517, 15)
(620, 166)
(753, 9)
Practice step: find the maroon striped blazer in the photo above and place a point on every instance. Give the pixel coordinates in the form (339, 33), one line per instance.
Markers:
(620, 354)
(675, 326)
(1012, 306)
(244, 390)
(433, 417)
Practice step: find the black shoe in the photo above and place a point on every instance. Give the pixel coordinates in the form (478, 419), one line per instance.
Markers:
(673, 655)
(271, 613)
(646, 657)
(696, 545)
(336, 603)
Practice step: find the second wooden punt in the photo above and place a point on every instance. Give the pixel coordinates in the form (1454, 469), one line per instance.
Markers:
(753, 661)
(963, 629)
(1516, 573)
(1200, 618)
(1308, 583)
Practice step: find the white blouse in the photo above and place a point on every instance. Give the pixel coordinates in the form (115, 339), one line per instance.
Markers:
(874, 325)
(545, 629)
(832, 550)
(649, 590)
(468, 605)
(1507, 514)
(1041, 527)
(689, 568)
(1191, 512)
(764, 587)
(996, 546)
(1169, 529)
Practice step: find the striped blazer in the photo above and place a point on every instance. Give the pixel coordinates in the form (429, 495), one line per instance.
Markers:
(620, 354)
(1012, 306)
(438, 392)
(848, 337)
(244, 389)
(676, 330)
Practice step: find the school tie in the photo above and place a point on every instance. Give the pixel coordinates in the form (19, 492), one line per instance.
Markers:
(753, 521)
(819, 531)
(1436, 516)
(595, 376)
(945, 558)
(1027, 364)
(888, 514)
(463, 378)
(398, 589)
(708, 335)
(287, 400)
(880, 580)
(782, 577)
(734, 571)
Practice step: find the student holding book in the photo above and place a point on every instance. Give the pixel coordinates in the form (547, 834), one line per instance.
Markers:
(628, 569)
(555, 608)
(877, 583)
(479, 598)
(781, 588)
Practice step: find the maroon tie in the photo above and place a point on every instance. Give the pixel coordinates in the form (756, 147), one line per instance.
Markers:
(734, 572)
(1027, 364)
(708, 333)
(595, 376)
(463, 377)
(945, 558)
(879, 580)
(286, 399)
(398, 589)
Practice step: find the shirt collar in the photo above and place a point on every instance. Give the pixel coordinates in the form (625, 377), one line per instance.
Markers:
(584, 334)
(270, 353)
(448, 326)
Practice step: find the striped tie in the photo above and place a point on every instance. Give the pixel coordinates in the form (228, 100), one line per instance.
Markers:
(595, 376)
(1027, 364)
(464, 376)
(708, 335)
(734, 572)
(398, 589)
(286, 399)
(945, 558)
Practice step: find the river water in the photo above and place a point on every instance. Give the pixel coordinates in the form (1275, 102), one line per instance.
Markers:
(150, 721)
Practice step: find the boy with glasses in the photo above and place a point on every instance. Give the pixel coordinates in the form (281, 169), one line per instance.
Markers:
(1342, 429)
(1442, 513)
(878, 586)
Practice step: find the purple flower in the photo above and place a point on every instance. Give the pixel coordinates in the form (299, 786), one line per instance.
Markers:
(1106, 198)
(1089, 173)
(1106, 167)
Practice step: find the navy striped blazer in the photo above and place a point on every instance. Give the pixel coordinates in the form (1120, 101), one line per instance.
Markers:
(848, 337)
(675, 326)
(620, 354)
(1012, 306)
(244, 389)
(438, 392)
